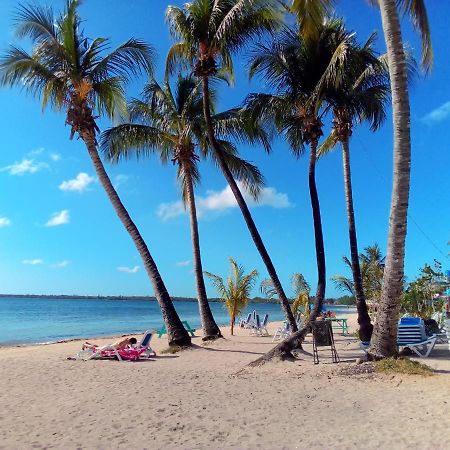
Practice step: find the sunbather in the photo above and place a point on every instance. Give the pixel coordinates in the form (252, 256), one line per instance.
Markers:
(117, 345)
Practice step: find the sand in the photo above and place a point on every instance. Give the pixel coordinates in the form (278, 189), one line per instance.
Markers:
(206, 398)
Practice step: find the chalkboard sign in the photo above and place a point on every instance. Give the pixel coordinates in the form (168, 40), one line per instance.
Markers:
(323, 337)
(322, 333)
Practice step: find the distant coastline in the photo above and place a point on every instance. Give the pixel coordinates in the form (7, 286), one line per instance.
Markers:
(328, 301)
(121, 297)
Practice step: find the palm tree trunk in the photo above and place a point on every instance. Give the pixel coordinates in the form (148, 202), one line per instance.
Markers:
(365, 325)
(176, 333)
(210, 328)
(244, 208)
(284, 349)
(384, 339)
(318, 234)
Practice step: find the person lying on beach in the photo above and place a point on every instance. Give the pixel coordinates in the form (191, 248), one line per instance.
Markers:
(117, 345)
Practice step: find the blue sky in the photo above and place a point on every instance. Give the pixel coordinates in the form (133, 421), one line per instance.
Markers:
(59, 234)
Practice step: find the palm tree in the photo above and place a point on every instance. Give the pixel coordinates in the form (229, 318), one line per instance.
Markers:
(371, 264)
(383, 343)
(71, 72)
(171, 123)
(235, 292)
(298, 71)
(208, 32)
(301, 290)
(359, 95)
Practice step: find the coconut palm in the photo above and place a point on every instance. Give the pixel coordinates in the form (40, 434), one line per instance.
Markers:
(207, 33)
(170, 122)
(298, 71)
(301, 290)
(235, 292)
(371, 264)
(73, 73)
(359, 95)
(383, 343)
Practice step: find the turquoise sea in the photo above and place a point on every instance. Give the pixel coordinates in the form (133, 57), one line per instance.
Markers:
(42, 320)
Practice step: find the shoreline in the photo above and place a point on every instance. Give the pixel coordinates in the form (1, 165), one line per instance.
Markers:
(349, 310)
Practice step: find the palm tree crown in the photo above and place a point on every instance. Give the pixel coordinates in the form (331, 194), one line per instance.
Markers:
(236, 290)
(298, 71)
(68, 70)
(171, 122)
(208, 32)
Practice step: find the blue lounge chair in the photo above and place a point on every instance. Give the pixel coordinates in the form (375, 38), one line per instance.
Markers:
(411, 334)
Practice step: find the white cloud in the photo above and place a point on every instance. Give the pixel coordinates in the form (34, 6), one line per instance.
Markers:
(38, 151)
(79, 184)
(58, 218)
(223, 200)
(135, 269)
(183, 263)
(25, 166)
(55, 157)
(4, 222)
(120, 179)
(33, 262)
(437, 115)
(61, 264)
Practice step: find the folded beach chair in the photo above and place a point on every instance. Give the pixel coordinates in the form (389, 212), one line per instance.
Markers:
(282, 332)
(411, 334)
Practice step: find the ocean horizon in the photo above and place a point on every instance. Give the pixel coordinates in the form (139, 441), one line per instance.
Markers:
(29, 320)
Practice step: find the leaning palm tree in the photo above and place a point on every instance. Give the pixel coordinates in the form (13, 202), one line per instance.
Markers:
(71, 72)
(207, 33)
(298, 70)
(359, 95)
(235, 292)
(170, 122)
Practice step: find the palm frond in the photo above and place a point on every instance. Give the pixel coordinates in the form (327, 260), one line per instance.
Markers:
(36, 22)
(129, 140)
(311, 15)
(18, 68)
(327, 145)
(248, 174)
(131, 58)
(343, 284)
(417, 13)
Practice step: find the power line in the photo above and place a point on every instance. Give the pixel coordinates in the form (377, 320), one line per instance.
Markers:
(383, 179)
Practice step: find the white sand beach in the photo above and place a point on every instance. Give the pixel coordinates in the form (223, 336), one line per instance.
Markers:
(206, 398)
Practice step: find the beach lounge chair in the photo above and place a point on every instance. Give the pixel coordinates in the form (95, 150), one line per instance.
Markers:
(411, 334)
(264, 323)
(133, 353)
(256, 326)
(282, 332)
(244, 322)
(145, 345)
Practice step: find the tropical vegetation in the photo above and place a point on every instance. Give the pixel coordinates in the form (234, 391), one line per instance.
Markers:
(235, 291)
